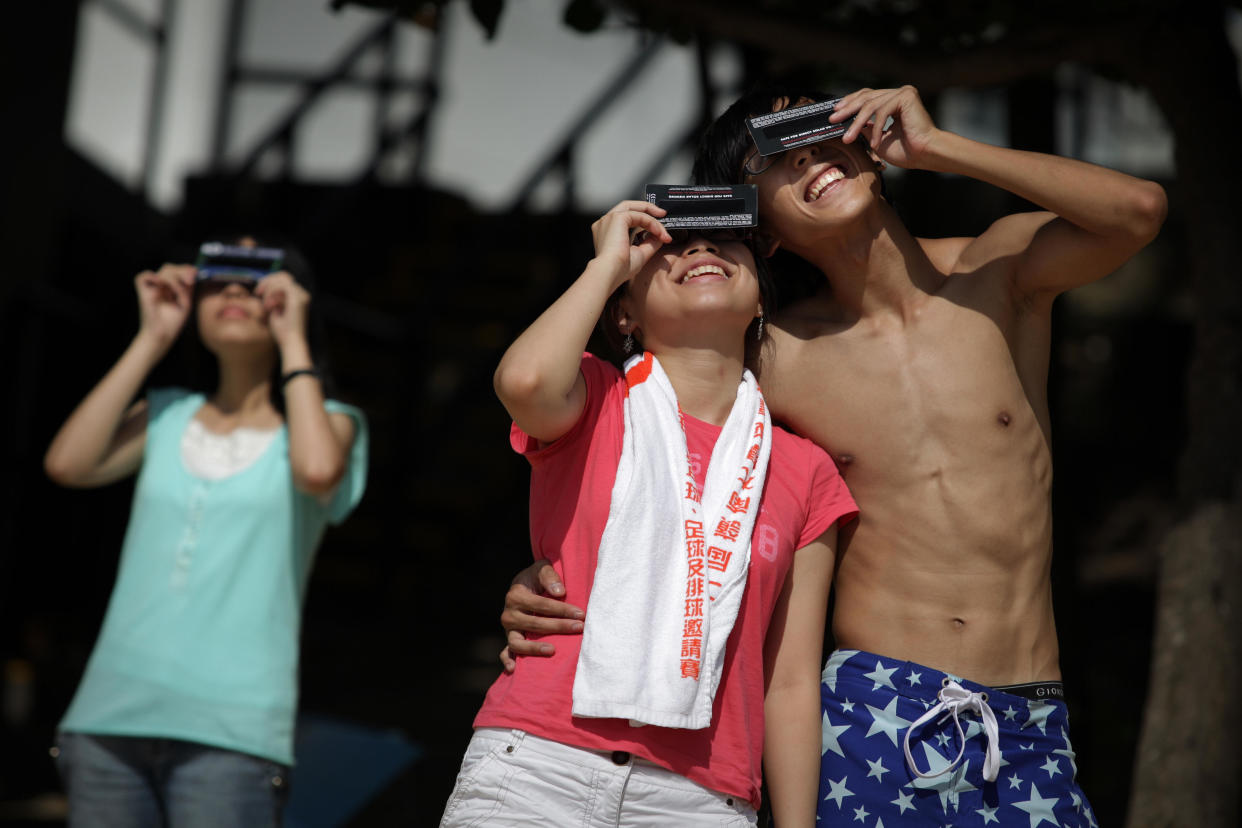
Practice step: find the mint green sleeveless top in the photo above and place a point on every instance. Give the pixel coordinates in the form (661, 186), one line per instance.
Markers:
(200, 640)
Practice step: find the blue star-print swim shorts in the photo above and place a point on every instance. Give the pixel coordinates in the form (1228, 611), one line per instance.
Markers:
(1016, 765)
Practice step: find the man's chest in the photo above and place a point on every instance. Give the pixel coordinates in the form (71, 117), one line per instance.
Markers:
(921, 394)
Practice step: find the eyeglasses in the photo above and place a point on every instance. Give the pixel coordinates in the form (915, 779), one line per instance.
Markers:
(758, 164)
(714, 235)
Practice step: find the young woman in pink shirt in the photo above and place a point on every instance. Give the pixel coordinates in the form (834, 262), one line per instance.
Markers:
(701, 538)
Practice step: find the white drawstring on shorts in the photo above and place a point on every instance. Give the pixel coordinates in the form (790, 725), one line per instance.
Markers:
(956, 699)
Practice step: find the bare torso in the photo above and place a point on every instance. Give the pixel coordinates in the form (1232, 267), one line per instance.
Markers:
(939, 423)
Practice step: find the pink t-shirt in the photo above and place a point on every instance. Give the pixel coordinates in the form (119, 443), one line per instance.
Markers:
(570, 492)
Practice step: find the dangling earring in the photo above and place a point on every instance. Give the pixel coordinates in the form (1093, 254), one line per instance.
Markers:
(759, 332)
(628, 344)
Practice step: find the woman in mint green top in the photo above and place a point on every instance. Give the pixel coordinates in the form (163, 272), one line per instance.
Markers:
(185, 713)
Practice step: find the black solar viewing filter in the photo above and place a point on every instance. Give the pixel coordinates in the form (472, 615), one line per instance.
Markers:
(217, 260)
(695, 208)
(796, 127)
(689, 206)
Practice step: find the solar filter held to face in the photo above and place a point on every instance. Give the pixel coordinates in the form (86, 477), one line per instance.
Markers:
(704, 207)
(777, 132)
(221, 263)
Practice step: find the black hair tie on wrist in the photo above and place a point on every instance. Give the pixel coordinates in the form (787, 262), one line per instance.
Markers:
(284, 379)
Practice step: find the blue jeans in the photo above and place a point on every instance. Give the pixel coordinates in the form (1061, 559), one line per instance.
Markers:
(136, 782)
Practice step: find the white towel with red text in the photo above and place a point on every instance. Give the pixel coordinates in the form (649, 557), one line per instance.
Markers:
(673, 560)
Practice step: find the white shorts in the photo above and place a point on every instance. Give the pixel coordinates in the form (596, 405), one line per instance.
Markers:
(509, 777)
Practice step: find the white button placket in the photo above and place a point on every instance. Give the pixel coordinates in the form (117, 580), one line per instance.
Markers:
(189, 538)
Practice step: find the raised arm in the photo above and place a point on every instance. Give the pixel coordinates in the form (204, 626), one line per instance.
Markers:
(538, 378)
(791, 708)
(103, 438)
(540, 382)
(319, 441)
(1096, 218)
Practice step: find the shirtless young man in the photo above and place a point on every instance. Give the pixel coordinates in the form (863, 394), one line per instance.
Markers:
(921, 365)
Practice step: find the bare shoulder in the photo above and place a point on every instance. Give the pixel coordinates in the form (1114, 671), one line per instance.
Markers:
(945, 254)
(979, 271)
(959, 259)
(1001, 245)
(983, 267)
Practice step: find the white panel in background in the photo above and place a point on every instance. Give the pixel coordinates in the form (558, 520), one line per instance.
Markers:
(341, 125)
(301, 35)
(148, 10)
(660, 106)
(505, 103)
(334, 138)
(257, 109)
(107, 108)
(509, 101)
(196, 43)
(413, 49)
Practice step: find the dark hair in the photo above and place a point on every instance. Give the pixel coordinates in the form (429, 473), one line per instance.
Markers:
(767, 296)
(203, 368)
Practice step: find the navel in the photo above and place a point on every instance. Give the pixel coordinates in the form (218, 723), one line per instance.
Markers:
(1003, 418)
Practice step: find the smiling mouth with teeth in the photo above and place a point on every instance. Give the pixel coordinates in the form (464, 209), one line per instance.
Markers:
(702, 271)
(830, 175)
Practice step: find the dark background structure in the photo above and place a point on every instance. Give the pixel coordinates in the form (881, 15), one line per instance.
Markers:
(422, 291)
